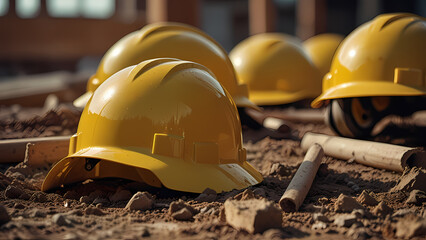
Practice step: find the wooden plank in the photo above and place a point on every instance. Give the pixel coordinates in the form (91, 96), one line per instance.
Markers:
(262, 16)
(13, 150)
(32, 90)
(311, 18)
(187, 11)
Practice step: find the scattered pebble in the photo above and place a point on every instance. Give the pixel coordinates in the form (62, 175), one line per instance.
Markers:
(346, 204)
(382, 210)
(207, 195)
(61, 220)
(13, 192)
(180, 204)
(183, 214)
(416, 197)
(4, 216)
(345, 220)
(414, 178)
(120, 195)
(94, 211)
(410, 226)
(367, 199)
(140, 201)
(252, 215)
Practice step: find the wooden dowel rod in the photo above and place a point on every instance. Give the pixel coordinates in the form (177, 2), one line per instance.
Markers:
(299, 186)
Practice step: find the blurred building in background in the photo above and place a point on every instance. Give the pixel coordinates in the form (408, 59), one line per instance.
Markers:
(49, 35)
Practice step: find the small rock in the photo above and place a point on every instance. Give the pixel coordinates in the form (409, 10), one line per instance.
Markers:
(382, 210)
(39, 197)
(345, 220)
(403, 212)
(320, 217)
(254, 216)
(416, 197)
(120, 195)
(346, 204)
(19, 206)
(178, 205)
(183, 215)
(94, 211)
(319, 226)
(61, 220)
(71, 195)
(4, 216)
(38, 213)
(260, 192)
(367, 199)
(414, 178)
(246, 195)
(86, 200)
(207, 195)
(13, 192)
(410, 226)
(140, 201)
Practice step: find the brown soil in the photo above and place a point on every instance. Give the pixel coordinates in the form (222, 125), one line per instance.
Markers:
(33, 212)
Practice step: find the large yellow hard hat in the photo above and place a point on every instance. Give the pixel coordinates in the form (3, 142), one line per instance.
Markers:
(383, 57)
(165, 122)
(170, 40)
(276, 69)
(321, 49)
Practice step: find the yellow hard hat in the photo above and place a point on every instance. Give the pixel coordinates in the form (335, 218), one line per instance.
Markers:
(276, 69)
(383, 57)
(170, 40)
(165, 122)
(321, 49)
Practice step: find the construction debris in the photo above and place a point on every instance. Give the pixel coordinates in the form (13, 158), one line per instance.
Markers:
(299, 186)
(411, 179)
(374, 154)
(346, 204)
(253, 216)
(382, 209)
(367, 199)
(140, 201)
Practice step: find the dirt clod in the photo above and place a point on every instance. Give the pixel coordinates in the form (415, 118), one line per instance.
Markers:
(253, 216)
(346, 204)
(120, 195)
(410, 226)
(178, 205)
(183, 214)
(140, 201)
(207, 195)
(416, 197)
(411, 179)
(13, 192)
(94, 211)
(367, 199)
(61, 220)
(382, 209)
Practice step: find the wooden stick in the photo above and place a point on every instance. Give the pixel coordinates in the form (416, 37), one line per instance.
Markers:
(13, 150)
(302, 115)
(373, 154)
(272, 123)
(299, 186)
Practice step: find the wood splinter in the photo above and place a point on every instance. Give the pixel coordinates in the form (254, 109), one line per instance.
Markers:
(299, 186)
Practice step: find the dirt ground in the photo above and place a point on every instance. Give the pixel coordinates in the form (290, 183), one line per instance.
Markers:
(89, 211)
